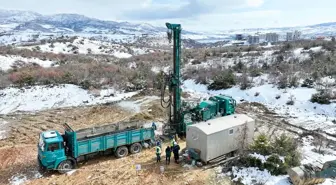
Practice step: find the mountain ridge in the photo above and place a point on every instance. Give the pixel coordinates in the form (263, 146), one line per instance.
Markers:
(73, 23)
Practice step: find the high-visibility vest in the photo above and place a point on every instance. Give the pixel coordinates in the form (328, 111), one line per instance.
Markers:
(158, 150)
(172, 142)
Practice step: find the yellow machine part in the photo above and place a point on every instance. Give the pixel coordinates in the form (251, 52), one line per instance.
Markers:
(302, 176)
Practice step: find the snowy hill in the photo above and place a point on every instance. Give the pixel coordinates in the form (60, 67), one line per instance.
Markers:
(16, 16)
(26, 21)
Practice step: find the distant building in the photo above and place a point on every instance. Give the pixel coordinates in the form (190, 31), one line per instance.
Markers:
(297, 35)
(289, 36)
(239, 36)
(272, 37)
(293, 36)
(253, 39)
(262, 36)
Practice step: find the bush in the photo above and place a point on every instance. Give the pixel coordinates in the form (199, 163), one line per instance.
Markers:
(262, 145)
(293, 82)
(245, 82)
(281, 146)
(239, 67)
(284, 145)
(321, 97)
(283, 81)
(223, 81)
(196, 61)
(291, 100)
(85, 84)
(308, 83)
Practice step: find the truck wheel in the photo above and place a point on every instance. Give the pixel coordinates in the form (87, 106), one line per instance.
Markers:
(135, 148)
(65, 166)
(121, 152)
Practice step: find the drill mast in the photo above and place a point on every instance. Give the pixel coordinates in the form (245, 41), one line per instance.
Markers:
(175, 118)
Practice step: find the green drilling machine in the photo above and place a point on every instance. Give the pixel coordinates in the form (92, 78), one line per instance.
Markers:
(181, 114)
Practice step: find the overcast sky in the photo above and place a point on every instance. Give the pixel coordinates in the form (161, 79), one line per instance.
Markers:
(201, 15)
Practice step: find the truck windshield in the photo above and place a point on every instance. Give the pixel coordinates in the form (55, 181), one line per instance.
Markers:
(53, 146)
(41, 143)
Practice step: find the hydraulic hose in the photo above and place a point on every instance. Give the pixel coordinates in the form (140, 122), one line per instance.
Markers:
(163, 90)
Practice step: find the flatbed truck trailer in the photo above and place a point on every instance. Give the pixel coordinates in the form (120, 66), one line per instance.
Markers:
(62, 152)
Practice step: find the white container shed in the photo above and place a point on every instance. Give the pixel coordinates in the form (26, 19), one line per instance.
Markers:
(220, 136)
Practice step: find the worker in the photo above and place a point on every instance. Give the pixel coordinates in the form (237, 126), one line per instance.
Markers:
(158, 153)
(172, 142)
(168, 154)
(158, 143)
(176, 149)
(154, 126)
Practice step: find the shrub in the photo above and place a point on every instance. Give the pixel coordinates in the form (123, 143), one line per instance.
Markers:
(196, 61)
(85, 84)
(245, 82)
(281, 146)
(291, 100)
(293, 82)
(308, 83)
(262, 145)
(239, 67)
(321, 97)
(223, 81)
(21, 79)
(89, 50)
(284, 145)
(283, 81)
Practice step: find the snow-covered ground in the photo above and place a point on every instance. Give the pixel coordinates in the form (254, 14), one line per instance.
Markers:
(86, 46)
(253, 175)
(43, 97)
(303, 113)
(7, 61)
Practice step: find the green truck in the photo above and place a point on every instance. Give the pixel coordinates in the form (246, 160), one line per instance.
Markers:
(62, 152)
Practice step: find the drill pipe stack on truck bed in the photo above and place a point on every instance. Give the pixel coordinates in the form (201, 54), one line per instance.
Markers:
(62, 152)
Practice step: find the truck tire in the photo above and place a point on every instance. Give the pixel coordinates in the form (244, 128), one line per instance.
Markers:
(135, 148)
(121, 152)
(65, 166)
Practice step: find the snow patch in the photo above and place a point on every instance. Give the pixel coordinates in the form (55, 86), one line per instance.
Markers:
(6, 62)
(122, 55)
(45, 97)
(253, 175)
(18, 179)
(264, 158)
(84, 45)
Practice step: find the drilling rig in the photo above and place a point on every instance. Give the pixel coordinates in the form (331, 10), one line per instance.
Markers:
(181, 114)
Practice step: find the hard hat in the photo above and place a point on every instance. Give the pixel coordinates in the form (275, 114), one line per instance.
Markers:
(175, 143)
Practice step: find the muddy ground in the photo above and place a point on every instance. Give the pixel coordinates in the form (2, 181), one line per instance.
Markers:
(18, 150)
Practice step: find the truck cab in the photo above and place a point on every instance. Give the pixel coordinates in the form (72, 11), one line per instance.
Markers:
(51, 149)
